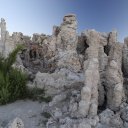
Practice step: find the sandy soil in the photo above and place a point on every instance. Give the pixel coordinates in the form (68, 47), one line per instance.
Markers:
(28, 111)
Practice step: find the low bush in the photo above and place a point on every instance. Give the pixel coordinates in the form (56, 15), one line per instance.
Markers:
(12, 80)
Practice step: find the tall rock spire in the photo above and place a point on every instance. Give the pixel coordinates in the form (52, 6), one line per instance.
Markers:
(3, 35)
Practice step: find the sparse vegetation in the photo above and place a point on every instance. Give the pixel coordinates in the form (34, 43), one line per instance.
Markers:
(12, 80)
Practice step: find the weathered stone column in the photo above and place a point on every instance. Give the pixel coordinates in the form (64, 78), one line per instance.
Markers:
(3, 35)
(114, 78)
(89, 94)
(66, 44)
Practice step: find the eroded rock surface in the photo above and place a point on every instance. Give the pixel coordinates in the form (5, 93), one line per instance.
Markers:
(86, 75)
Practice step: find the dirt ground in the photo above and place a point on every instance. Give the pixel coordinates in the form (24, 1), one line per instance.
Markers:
(28, 111)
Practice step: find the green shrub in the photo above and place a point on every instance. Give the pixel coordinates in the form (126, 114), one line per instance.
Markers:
(18, 81)
(12, 80)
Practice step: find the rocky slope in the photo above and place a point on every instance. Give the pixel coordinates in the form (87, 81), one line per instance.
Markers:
(87, 74)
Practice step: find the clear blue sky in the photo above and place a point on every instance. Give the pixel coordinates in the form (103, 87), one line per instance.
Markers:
(32, 16)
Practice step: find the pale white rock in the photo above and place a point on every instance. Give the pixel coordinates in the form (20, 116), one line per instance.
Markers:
(38, 38)
(69, 59)
(57, 99)
(109, 119)
(3, 35)
(17, 123)
(89, 93)
(114, 78)
(105, 116)
(66, 42)
(88, 122)
(93, 121)
(55, 82)
(112, 37)
(57, 113)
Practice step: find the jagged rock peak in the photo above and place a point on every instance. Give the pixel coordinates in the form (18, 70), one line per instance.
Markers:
(70, 21)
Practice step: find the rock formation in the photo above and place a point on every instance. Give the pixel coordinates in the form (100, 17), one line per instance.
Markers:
(3, 35)
(114, 78)
(87, 74)
(89, 93)
(17, 123)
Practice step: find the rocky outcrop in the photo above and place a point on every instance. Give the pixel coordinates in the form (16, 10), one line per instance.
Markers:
(3, 35)
(109, 119)
(66, 44)
(93, 94)
(89, 93)
(86, 75)
(56, 82)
